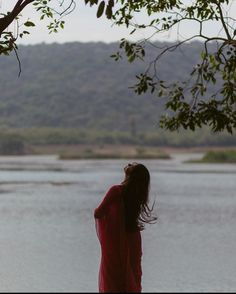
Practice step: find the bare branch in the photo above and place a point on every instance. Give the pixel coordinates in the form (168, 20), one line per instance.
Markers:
(223, 22)
(69, 8)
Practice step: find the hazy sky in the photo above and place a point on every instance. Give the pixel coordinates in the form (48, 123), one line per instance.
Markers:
(82, 25)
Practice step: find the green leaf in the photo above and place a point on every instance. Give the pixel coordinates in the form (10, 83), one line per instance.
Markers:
(29, 24)
(131, 58)
(100, 9)
(109, 11)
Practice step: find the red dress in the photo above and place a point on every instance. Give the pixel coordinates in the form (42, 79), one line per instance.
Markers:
(120, 268)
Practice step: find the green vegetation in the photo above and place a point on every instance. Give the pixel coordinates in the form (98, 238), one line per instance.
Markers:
(114, 152)
(55, 102)
(227, 156)
(221, 156)
(89, 91)
(207, 95)
(8, 38)
(72, 136)
(11, 145)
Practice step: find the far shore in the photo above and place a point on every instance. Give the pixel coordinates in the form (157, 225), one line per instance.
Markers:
(51, 148)
(218, 154)
(113, 152)
(124, 149)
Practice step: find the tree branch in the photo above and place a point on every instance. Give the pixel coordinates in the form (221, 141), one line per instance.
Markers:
(223, 22)
(9, 18)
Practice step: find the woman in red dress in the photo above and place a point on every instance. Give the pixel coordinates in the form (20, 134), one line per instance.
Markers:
(119, 219)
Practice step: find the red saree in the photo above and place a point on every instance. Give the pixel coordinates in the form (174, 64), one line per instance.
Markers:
(121, 251)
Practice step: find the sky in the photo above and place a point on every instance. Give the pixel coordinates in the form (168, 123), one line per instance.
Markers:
(82, 25)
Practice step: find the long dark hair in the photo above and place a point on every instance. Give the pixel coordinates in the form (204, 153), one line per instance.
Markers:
(136, 197)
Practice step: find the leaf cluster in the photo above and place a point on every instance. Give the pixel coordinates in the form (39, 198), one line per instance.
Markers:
(189, 103)
(102, 7)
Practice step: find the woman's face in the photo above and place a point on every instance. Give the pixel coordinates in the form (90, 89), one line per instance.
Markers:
(128, 168)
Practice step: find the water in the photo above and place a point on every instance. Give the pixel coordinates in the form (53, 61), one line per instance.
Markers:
(47, 236)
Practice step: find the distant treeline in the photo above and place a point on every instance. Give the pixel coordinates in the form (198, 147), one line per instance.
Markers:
(78, 85)
(11, 144)
(74, 93)
(50, 136)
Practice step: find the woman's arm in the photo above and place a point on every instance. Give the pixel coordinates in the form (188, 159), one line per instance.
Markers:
(108, 199)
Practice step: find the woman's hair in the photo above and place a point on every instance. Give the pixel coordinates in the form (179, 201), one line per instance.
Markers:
(136, 196)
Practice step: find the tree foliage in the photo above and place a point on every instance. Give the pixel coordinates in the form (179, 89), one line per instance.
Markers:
(53, 10)
(189, 102)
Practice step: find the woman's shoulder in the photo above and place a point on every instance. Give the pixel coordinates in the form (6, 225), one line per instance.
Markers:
(115, 188)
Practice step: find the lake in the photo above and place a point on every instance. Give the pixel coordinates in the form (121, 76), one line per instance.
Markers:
(48, 241)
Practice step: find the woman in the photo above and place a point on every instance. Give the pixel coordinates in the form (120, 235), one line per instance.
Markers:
(119, 219)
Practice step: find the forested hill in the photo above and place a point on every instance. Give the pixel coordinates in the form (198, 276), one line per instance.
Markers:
(78, 85)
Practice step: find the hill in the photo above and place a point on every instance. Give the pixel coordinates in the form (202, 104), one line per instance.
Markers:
(78, 86)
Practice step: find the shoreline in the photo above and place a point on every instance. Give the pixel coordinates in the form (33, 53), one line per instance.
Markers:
(118, 151)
